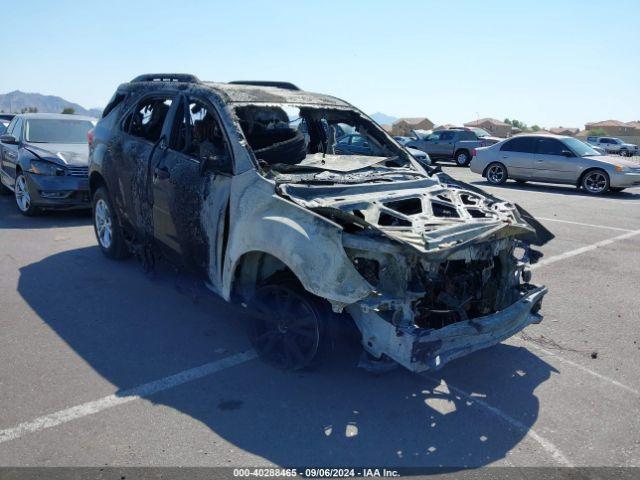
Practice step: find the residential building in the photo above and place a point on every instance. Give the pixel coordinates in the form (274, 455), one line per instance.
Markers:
(403, 126)
(568, 131)
(446, 126)
(615, 128)
(493, 126)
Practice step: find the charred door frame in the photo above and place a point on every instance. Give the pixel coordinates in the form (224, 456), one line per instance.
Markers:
(189, 239)
(138, 187)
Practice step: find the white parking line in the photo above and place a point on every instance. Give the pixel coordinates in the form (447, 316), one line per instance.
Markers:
(587, 248)
(584, 224)
(147, 389)
(529, 432)
(583, 368)
(126, 396)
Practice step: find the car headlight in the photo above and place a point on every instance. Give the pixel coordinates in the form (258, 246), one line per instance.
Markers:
(40, 167)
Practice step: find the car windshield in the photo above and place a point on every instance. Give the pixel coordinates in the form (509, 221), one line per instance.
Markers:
(43, 130)
(480, 132)
(325, 143)
(580, 148)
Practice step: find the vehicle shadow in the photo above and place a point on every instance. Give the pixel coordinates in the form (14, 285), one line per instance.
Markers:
(10, 217)
(633, 194)
(132, 329)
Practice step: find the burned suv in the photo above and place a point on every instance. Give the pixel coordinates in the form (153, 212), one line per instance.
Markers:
(241, 182)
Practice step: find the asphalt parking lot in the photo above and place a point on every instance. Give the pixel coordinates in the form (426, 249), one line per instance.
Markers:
(103, 364)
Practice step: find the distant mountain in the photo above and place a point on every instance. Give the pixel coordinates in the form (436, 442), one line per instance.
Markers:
(383, 119)
(16, 101)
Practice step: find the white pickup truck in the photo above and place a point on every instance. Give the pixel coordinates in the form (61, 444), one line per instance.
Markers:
(614, 145)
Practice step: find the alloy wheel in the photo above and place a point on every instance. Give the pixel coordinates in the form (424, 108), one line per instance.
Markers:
(23, 199)
(496, 174)
(595, 182)
(102, 218)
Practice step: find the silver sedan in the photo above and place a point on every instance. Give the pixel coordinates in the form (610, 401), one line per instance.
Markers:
(554, 159)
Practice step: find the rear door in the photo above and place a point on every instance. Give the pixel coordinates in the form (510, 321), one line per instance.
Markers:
(191, 178)
(517, 155)
(145, 129)
(551, 164)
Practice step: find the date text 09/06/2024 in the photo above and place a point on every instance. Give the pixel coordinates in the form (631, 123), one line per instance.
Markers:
(315, 472)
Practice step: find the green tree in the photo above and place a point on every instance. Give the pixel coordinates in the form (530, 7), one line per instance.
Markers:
(535, 128)
(597, 132)
(518, 124)
(69, 111)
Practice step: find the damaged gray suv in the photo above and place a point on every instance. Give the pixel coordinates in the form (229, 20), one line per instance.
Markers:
(243, 183)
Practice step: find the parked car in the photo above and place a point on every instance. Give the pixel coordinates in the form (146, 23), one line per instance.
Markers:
(453, 144)
(356, 144)
(402, 140)
(482, 134)
(5, 118)
(217, 178)
(44, 159)
(614, 145)
(554, 159)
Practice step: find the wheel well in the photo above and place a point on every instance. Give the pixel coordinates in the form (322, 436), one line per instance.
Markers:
(587, 171)
(257, 268)
(96, 181)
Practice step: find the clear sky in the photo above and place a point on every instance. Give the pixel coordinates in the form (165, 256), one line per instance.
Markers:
(545, 62)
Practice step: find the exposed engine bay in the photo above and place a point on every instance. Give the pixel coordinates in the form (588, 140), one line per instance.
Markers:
(444, 260)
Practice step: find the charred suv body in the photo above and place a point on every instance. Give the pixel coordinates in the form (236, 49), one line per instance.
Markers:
(241, 182)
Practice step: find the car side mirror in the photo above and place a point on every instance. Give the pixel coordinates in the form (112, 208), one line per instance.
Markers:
(8, 139)
(567, 153)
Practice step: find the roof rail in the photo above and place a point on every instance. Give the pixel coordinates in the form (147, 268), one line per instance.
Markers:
(166, 77)
(266, 83)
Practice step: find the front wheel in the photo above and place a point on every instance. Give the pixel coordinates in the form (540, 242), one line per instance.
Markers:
(595, 182)
(23, 197)
(462, 158)
(288, 326)
(107, 228)
(624, 152)
(496, 173)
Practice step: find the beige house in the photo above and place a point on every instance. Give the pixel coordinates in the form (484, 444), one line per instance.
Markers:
(493, 126)
(615, 128)
(446, 126)
(542, 131)
(568, 131)
(403, 126)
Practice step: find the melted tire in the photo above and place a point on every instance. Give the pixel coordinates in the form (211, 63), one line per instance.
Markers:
(288, 326)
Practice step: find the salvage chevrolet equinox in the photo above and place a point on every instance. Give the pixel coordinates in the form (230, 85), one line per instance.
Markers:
(243, 183)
